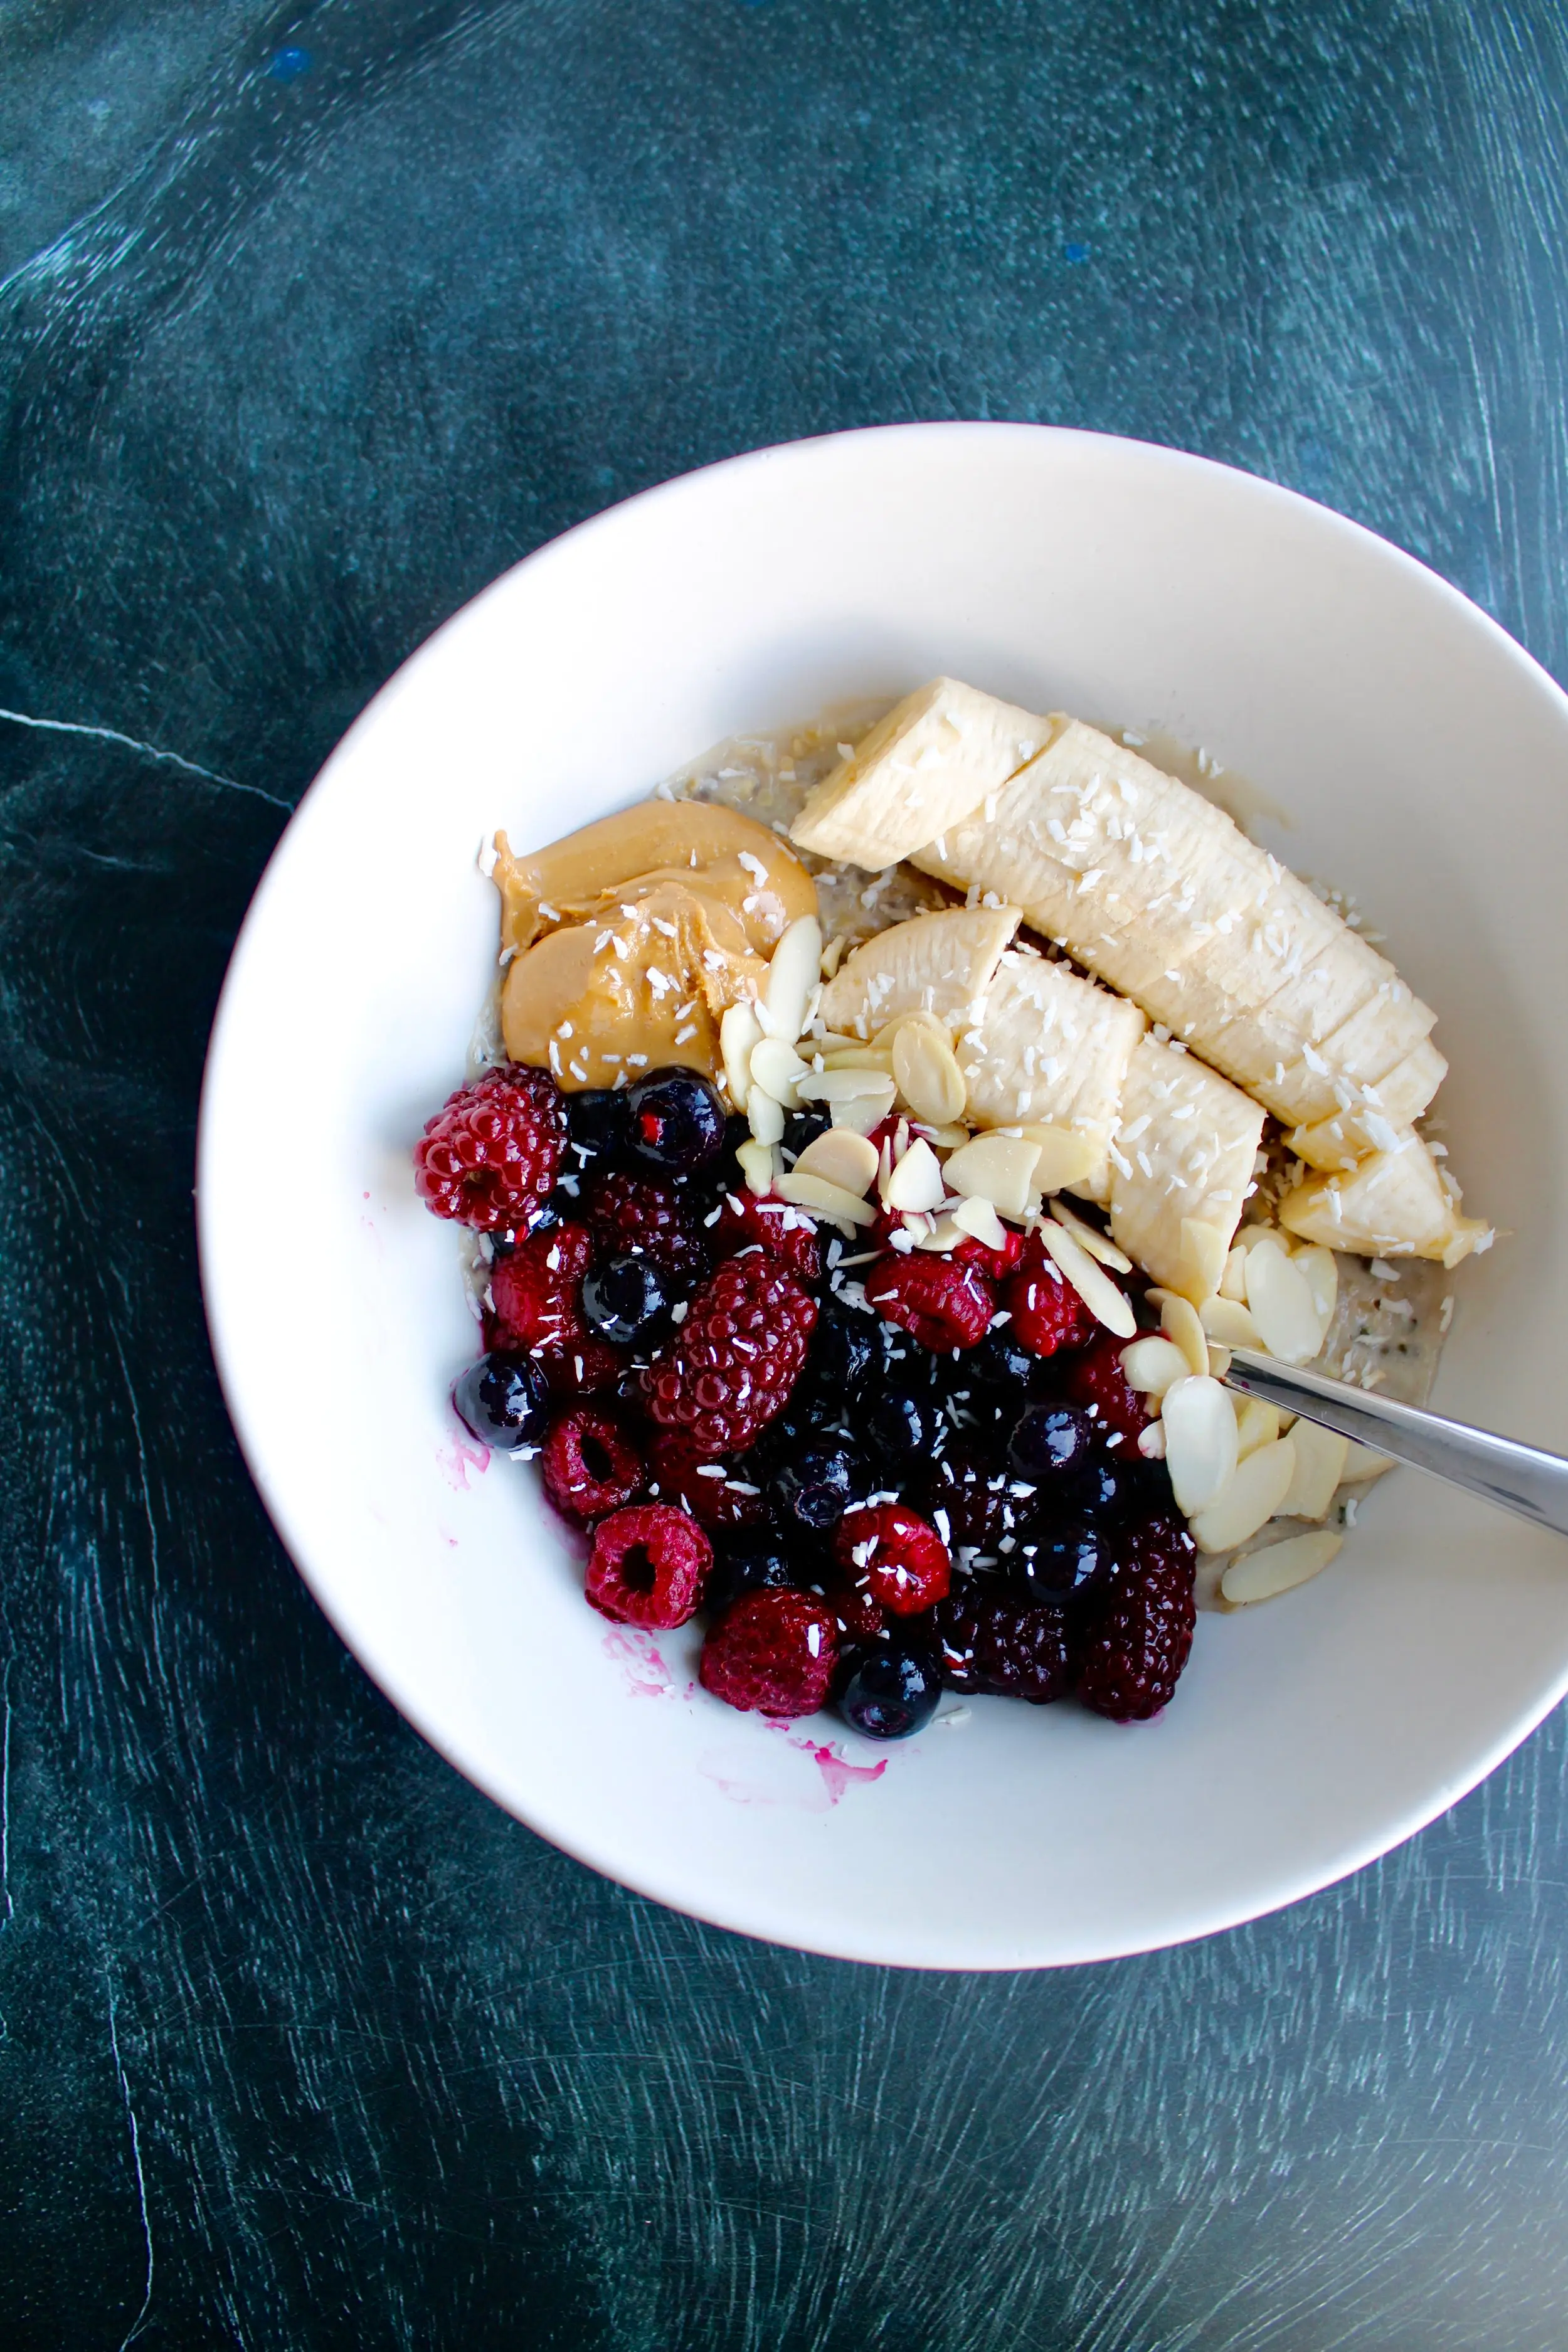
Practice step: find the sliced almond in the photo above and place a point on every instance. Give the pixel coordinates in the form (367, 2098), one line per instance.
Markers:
(832, 1201)
(1179, 1321)
(1251, 1498)
(775, 1067)
(838, 1086)
(1152, 1365)
(1257, 1425)
(739, 1032)
(861, 1113)
(857, 1058)
(1219, 1360)
(764, 1117)
(1200, 1440)
(943, 1234)
(928, 1074)
(945, 1138)
(832, 956)
(1282, 1305)
(884, 1036)
(1228, 1322)
(1151, 1442)
(1259, 1575)
(842, 1159)
(1093, 1285)
(1098, 1245)
(1232, 1282)
(999, 1169)
(1319, 1465)
(1363, 1462)
(759, 1165)
(979, 1219)
(916, 1182)
(1322, 1275)
(1065, 1158)
(792, 976)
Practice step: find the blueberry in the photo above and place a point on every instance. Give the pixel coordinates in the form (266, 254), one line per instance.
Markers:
(1110, 1484)
(750, 1563)
(623, 1297)
(905, 1423)
(1051, 1443)
(846, 1348)
(893, 1691)
(599, 1120)
(504, 1400)
(1001, 1360)
(1056, 1563)
(676, 1120)
(801, 1128)
(818, 1482)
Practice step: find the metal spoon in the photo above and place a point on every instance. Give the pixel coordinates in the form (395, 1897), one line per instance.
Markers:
(1519, 1478)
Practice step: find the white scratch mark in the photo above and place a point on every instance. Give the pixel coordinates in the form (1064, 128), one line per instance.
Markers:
(140, 2320)
(148, 751)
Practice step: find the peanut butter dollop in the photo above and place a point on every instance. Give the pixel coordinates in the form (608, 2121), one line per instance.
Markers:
(630, 939)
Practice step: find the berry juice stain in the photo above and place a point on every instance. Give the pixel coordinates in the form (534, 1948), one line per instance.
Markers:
(646, 1674)
(837, 1774)
(456, 1461)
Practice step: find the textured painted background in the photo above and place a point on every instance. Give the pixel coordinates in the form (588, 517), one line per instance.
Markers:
(313, 323)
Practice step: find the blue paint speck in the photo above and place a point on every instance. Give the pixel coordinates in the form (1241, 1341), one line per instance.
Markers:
(1075, 253)
(290, 64)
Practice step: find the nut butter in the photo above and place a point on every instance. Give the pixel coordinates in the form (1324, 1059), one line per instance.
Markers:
(628, 939)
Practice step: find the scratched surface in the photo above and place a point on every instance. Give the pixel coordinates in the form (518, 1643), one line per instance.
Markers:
(310, 324)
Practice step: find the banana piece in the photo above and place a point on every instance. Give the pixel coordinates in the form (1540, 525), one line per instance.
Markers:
(1052, 1049)
(942, 963)
(1375, 1119)
(1181, 1162)
(932, 759)
(1399, 1203)
(1161, 895)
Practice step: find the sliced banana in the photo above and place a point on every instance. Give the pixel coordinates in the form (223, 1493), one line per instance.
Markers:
(1050, 1046)
(940, 963)
(1395, 1204)
(1181, 1168)
(933, 758)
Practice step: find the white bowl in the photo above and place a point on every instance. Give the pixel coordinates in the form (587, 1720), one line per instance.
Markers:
(1424, 760)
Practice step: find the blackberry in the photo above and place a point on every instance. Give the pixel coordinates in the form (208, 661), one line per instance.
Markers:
(1133, 1644)
(1014, 1649)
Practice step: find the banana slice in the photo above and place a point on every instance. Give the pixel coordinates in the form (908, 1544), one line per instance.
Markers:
(1396, 1204)
(1051, 1048)
(1181, 1163)
(1375, 1121)
(942, 963)
(1161, 895)
(932, 759)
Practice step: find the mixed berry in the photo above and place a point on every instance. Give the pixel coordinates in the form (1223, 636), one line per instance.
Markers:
(875, 1480)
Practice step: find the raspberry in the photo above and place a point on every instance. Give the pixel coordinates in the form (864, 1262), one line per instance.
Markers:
(590, 1465)
(1046, 1311)
(489, 1155)
(537, 1288)
(775, 1652)
(997, 1263)
(786, 1234)
(1096, 1380)
(897, 1554)
(648, 1566)
(677, 1475)
(941, 1303)
(641, 1216)
(731, 1364)
(581, 1368)
(857, 1611)
(1134, 1643)
(1012, 1649)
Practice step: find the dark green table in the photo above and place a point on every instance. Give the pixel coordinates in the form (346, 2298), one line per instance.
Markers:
(314, 324)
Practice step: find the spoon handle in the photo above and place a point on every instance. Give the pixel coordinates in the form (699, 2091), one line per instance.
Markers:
(1519, 1478)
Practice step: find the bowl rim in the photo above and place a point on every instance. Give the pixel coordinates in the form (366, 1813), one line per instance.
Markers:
(755, 1920)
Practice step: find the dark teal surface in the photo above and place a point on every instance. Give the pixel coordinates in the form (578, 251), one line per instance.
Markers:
(315, 322)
